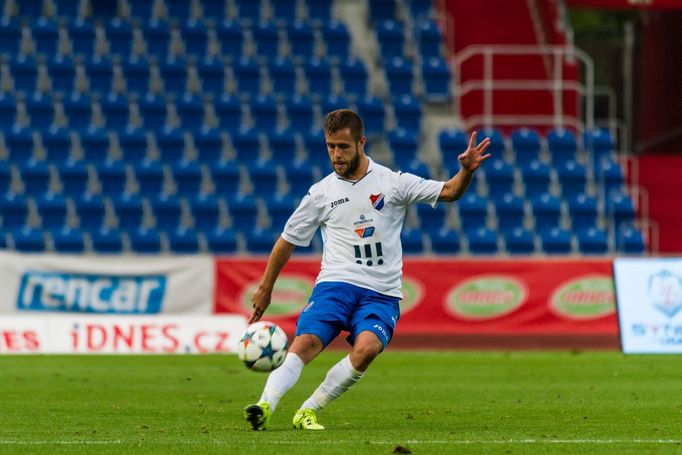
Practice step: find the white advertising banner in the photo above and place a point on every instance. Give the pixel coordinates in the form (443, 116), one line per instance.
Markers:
(75, 334)
(106, 284)
(649, 298)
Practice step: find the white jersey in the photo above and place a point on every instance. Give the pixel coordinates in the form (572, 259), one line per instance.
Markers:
(361, 223)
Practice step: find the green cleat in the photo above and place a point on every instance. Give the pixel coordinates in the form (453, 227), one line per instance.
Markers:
(306, 419)
(258, 415)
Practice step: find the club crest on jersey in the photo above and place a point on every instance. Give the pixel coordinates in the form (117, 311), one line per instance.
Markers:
(365, 232)
(377, 200)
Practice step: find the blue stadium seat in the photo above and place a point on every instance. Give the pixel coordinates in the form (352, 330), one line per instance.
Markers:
(260, 241)
(40, 107)
(133, 144)
(19, 142)
(412, 241)
(45, 34)
(620, 208)
(497, 142)
(279, 207)
(284, 10)
(546, 210)
(452, 142)
(482, 241)
(320, 10)
(120, 36)
(57, 143)
(52, 209)
(418, 168)
(5, 176)
(300, 176)
(188, 177)
(246, 71)
(226, 177)
(4, 244)
(106, 241)
(68, 240)
(116, 110)
(629, 240)
(13, 210)
(195, 36)
(167, 211)
(282, 142)
(526, 145)
(572, 176)
(24, 71)
(10, 35)
(74, 176)
(141, 9)
(178, 9)
(249, 9)
(431, 219)
(301, 38)
(600, 144)
(266, 37)
(299, 109)
(583, 211)
(519, 241)
(8, 110)
(157, 35)
(473, 211)
(391, 37)
(354, 75)
(247, 144)
(212, 74)
(428, 38)
(100, 73)
(318, 73)
(190, 109)
(336, 37)
(592, 240)
(91, 210)
(610, 177)
(214, 9)
(536, 177)
(231, 37)
(333, 102)
(510, 211)
(283, 76)
(112, 176)
(129, 209)
(400, 75)
(436, 76)
(174, 74)
(149, 175)
(183, 241)
(316, 147)
(205, 210)
(403, 145)
(228, 109)
(555, 240)
(137, 74)
(382, 10)
(36, 176)
(78, 108)
(67, 8)
(243, 210)
(263, 175)
(562, 145)
(371, 109)
(264, 112)
(221, 241)
(209, 144)
(145, 241)
(171, 144)
(82, 35)
(62, 71)
(29, 240)
(103, 10)
(408, 112)
(445, 241)
(499, 176)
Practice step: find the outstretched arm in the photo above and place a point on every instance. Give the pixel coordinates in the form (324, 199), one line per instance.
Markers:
(279, 256)
(469, 161)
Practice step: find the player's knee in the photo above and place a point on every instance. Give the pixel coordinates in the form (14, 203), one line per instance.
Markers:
(306, 347)
(364, 352)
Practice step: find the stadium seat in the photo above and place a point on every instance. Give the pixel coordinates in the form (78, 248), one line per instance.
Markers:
(445, 241)
(57, 143)
(188, 177)
(408, 112)
(112, 176)
(225, 175)
(473, 211)
(526, 146)
(572, 176)
(157, 35)
(320, 10)
(150, 177)
(260, 241)
(583, 211)
(183, 241)
(335, 35)
(45, 34)
(145, 241)
(519, 241)
(555, 240)
(600, 144)
(371, 109)
(411, 240)
(228, 109)
(431, 219)
(536, 177)
(299, 112)
(562, 145)
(100, 73)
(546, 210)
(171, 144)
(211, 71)
(29, 240)
(610, 177)
(497, 146)
(82, 35)
(301, 38)
(221, 241)
(510, 211)
(36, 176)
(74, 176)
(195, 36)
(331, 103)
(137, 74)
(10, 35)
(400, 75)
(209, 144)
(167, 211)
(91, 211)
(391, 36)
(436, 77)
(68, 240)
(178, 9)
(40, 107)
(482, 241)
(282, 73)
(174, 74)
(403, 145)
(282, 143)
(8, 110)
(264, 112)
(620, 209)
(418, 168)
(52, 209)
(316, 148)
(263, 175)
(78, 109)
(319, 76)
(19, 142)
(153, 111)
(499, 176)
(120, 36)
(243, 210)
(62, 71)
(247, 75)
(428, 37)
(129, 210)
(250, 10)
(246, 144)
(231, 37)
(24, 70)
(190, 109)
(13, 210)
(452, 142)
(205, 210)
(300, 177)
(106, 241)
(630, 240)
(284, 10)
(116, 110)
(133, 144)
(355, 77)
(279, 207)
(5, 176)
(592, 241)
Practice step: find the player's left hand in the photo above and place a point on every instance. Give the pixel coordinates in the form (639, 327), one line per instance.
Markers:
(472, 158)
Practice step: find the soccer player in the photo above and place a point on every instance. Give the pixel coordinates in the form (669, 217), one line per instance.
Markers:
(360, 208)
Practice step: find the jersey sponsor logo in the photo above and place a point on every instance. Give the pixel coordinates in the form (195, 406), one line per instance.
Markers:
(339, 201)
(365, 232)
(377, 200)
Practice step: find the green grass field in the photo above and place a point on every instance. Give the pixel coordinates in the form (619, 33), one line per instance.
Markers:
(424, 402)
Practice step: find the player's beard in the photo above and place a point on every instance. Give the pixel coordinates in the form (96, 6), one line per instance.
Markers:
(352, 166)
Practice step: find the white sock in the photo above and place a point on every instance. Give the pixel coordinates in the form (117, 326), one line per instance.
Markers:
(339, 379)
(281, 380)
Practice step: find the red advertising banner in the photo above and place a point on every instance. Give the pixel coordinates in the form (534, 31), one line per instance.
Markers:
(454, 296)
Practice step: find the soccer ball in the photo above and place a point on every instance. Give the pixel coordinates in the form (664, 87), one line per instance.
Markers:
(263, 347)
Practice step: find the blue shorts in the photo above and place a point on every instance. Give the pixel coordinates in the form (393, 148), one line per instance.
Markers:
(335, 306)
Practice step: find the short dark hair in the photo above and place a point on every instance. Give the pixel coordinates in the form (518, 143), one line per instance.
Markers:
(344, 118)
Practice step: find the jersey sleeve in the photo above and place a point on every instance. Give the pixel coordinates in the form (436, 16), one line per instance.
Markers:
(411, 188)
(302, 224)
